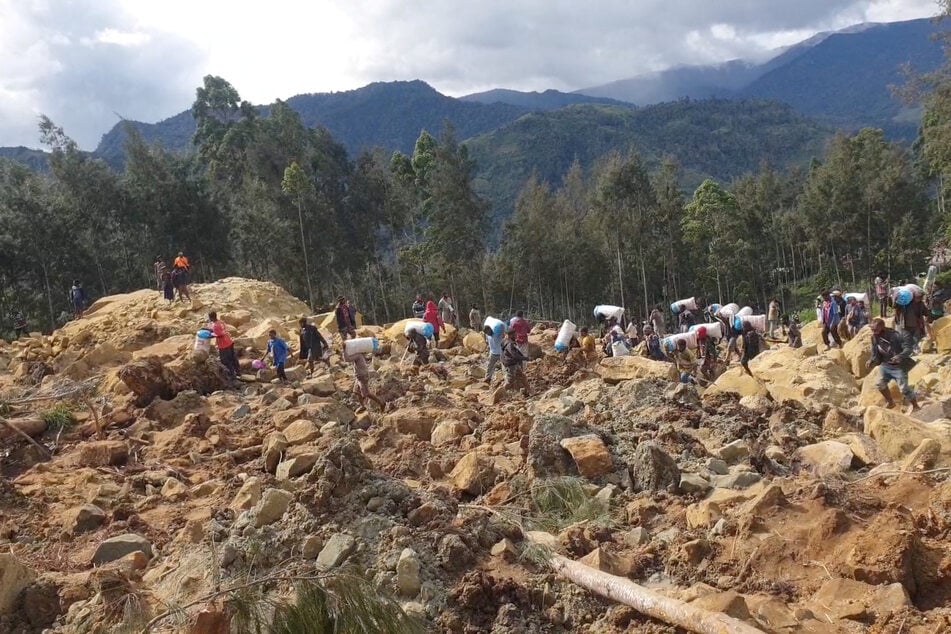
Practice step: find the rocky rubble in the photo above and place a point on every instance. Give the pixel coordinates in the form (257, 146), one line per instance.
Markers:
(788, 499)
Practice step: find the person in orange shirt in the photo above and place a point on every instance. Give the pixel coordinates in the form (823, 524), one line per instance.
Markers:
(181, 262)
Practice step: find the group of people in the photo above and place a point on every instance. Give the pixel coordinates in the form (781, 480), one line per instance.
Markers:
(841, 317)
(173, 281)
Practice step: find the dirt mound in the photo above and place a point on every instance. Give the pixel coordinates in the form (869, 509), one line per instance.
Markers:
(773, 498)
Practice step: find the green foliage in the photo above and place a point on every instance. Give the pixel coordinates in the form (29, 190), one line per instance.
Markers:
(561, 502)
(60, 418)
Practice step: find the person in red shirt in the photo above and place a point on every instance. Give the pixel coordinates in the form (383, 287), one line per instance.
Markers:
(226, 352)
(522, 327)
(431, 316)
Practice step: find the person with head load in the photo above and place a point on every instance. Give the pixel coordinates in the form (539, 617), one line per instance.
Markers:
(936, 300)
(752, 346)
(512, 363)
(794, 338)
(657, 321)
(615, 343)
(494, 342)
(772, 317)
(522, 327)
(475, 318)
(633, 336)
(831, 316)
(446, 311)
(278, 349)
(684, 361)
(881, 292)
(420, 345)
(77, 299)
(431, 316)
(312, 345)
(226, 352)
(419, 307)
(891, 351)
(361, 382)
(857, 316)
(346, 325)
(911, 315)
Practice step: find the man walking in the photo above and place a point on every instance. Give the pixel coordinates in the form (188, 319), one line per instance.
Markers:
(522, 327)
(446, 311)
(830, 320)
(312, 345)
(512, 361)
(891, 351)
(345, 323)
(475, 318)
(772, 317)
(495, 352)
(77, 297)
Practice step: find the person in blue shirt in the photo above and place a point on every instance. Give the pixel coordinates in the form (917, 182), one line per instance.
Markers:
(277, 348)
(495, 352)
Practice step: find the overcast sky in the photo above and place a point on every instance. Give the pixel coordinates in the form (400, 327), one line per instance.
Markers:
(85, 63)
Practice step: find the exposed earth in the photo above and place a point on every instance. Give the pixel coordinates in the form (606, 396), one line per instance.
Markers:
(791, 500)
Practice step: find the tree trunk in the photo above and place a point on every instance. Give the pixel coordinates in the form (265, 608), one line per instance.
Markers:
(49, 294)
(303, 247)
(668, 610)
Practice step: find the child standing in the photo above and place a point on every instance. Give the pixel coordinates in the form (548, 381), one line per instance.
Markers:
(277, 348)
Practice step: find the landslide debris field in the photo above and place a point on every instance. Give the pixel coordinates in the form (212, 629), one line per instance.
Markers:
(153, 499)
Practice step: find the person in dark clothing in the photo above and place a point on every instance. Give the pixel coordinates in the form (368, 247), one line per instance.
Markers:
(686, 320)
(346, 325)
(752, 345)
(512, 363)
(19, 324)
(419, 307)
(652, 344)
(831, 316)
(419, 344)
(168, 288)
(912, 319)
(795, 335)
(891, 351)
(312, 345)
(77, 298)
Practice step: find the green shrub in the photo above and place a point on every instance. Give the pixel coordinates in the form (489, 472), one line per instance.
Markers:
(60, 418)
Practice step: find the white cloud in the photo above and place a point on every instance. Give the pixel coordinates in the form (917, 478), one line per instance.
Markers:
(81, 61)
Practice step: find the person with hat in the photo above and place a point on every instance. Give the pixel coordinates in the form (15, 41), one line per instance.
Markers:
(512, 363)
(891, 351)
(181, 262)
(831, 316)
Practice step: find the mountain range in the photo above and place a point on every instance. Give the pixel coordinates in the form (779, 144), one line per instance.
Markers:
(717, 120)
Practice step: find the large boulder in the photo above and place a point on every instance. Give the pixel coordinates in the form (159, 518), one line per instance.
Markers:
(736, 381)
(475, 342)
(590, 454)
(791, 375)
(614, 370)
(826, 458)
(652, 468)
(941, 331)
(857, 351)
(14, 577)
(150, 378)
(898, 435)
(118, 547)
(475, 474)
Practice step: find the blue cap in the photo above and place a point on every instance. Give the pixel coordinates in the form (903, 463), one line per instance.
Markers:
(903, 297)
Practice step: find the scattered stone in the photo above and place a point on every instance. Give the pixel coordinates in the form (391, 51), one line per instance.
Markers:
(695, 550)
(320, 386)
(637, 536)
(729, 603)
(504, 548)
(407, 573)
(336, 551)
(248, 495)
(448, 431)
(118, 547)
(174, 489)
(694, 484)
(297, 465)
(776, 454)
(546, 458)
(242, 411)
(474, 473)
(273, 451)
(103, 453)
(590, 455)
(300, 432)
(14, 577)
(609, 562)
(735, 452)
(717, 466)
(668, 536)
(740, 480)
(605, 494)
(88, 517)
(826, 458)
(652, 469)
(703, 514)
(274, 503)
(924, 457)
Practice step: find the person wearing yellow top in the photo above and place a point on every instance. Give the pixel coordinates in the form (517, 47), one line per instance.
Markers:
(589, 347)
(684, 361)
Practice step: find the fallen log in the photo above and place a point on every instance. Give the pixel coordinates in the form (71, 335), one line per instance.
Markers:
(666, 609)
(13, 428)
(32, 426)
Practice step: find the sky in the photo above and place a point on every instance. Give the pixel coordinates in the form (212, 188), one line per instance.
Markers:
(88, 63)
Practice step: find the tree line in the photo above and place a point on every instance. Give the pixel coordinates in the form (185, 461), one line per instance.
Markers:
(262, 195)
